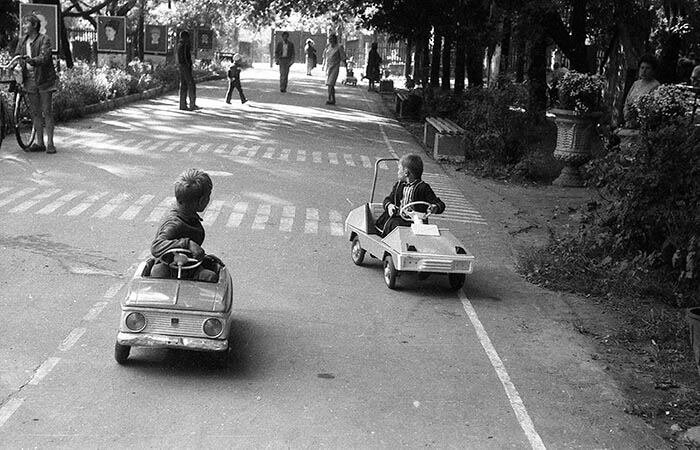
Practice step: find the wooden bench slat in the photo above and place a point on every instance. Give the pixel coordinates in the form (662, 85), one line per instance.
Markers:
(444, 126)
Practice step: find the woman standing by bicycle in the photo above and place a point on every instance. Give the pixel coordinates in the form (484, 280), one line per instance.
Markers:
(39, 82)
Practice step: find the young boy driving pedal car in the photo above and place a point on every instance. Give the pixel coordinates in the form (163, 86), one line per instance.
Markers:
(182, 227)
(410, 188)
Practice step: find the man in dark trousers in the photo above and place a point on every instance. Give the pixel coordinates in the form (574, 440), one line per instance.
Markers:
(184, 62)
(284, 57)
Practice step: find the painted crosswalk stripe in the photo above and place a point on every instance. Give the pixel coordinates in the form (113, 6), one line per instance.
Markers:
(89, 201)
(71, 339)
(220, 149)
(253, 151)
(336, 219)
(9, 408)
(34, 200)
(316, 157)
(95, 311)
(205, 148)
(333, 158)
(158, 143)
(111, 205)
(366, 161)
(348, 160)
(5, 189)
(311, 224)
(268, 153)
(171, 146)
(262, 216)
(186, 148)
(160, 210)
(287, 220)
(212, 212)
(134, 209)
(44, 370)
(301, 155)
(284, 156)
(16, 195)
(113, 289)
(237, 215)
(60, 201)
(237, 150)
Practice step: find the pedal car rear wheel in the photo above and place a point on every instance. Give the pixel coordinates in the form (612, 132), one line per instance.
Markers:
(121, 352)
(357, 253)
(457, 280)
(390, 272)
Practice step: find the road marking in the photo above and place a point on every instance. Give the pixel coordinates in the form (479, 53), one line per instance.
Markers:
(5, 189)
(287, 220)
(261, 217)
(285, 154)
(336, 219)
(237, 215)
(94, 311)
(205, 148)
(366, 161)
(348, 159)
(333, 158)
(71, 339)
(171, 146)
(112, 291)
(269, 152)
(9, 408)
(311, 224)
(134, 209)
(62, 200)
(156, 144)
(34, 200)
(301, 155)
(188, 147)
(212, 212)
(237, 150)
(513, 397)
(387, 142)
(111, 205)
(44, 370)
(16, 195)
(253, 150)
(161, 210)
(316, 157)
(86, 204)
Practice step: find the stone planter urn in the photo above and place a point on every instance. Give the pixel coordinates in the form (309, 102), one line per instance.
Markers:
(575, 132)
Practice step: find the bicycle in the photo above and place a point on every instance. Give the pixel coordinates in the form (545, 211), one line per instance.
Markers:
(20, 118)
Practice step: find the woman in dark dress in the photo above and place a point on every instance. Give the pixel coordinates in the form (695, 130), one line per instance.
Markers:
(373, 62)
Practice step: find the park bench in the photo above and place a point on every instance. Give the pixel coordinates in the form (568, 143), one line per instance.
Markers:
(386, 86)
(445, 137)
(407, 105)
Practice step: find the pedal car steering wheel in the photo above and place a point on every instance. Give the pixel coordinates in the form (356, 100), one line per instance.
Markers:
(182, 260)
(408, 211)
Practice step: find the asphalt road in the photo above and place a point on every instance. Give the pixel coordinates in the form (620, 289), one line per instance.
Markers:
(324, 354)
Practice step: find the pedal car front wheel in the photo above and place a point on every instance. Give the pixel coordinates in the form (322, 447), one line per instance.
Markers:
(390, 272)
(121, 352)
(457, 280)
(357, 253)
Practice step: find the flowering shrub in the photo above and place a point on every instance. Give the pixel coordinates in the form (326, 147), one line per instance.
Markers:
(581, 92)
(664, 106)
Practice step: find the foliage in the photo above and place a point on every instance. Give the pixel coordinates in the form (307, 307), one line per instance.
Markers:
(581, 92)
(666, 105)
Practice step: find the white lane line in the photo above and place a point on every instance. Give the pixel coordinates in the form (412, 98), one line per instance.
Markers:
(60, 201)
(285, 154)
(261, 217)
(387, 142)
(301, 155)
(9, 408)
(138, 205)
(16, 195)
(44, 370)
(237, 215)
(34, 200)
(311, 224)
(212, 212)
(269, 152)
(112, 291)
(71, 339)
(333, 158)
(348, 159)
(89, 201)
(160, 210)
(94, 311)
(111, 205)
(287, 219)
(513, 397)
(336, 219)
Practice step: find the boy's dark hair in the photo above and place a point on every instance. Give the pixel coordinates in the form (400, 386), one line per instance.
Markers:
(192, 185)
(412, 163)
(33, 21)
(649, 59)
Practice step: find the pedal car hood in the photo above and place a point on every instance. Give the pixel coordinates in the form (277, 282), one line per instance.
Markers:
(178, 294)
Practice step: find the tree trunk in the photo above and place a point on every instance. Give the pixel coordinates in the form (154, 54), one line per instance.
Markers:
(435, 60)
(505, 44)
(408, 67)
(447, 63)
(537, 77)
(460, 62)
(140, 31)
(475, 65)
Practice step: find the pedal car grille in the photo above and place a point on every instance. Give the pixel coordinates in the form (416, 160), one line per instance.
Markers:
(174, 324)
(431, 265)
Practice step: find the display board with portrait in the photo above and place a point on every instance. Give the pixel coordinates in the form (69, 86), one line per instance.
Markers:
(111, 34)
(155, 39)
(205, 39)
(47, 15)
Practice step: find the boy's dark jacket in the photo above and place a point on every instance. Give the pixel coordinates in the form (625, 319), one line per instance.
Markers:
(423, 193)
(176, 231)
(234, 73)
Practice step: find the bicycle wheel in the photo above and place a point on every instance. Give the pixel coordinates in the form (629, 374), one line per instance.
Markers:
(24, 128)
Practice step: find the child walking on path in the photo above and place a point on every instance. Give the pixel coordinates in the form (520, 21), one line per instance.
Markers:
(234, 79)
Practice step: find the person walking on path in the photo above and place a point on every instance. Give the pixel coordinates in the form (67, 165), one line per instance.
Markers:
(310, 51)
(234, 79)
(184, 61)
(332, 57)
(284, 57)
(39, 83)
(373, 63)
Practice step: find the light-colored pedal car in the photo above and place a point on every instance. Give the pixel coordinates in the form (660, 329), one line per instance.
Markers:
(422, 247)
(177, 312)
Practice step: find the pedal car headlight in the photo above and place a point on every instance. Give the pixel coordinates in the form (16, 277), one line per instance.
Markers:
(213, 327)
(135, 321)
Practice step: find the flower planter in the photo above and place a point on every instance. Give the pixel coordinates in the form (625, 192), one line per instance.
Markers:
(693, 317)
(575, 132)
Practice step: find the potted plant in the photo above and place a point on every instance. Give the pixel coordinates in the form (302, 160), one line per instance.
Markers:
(579, 108)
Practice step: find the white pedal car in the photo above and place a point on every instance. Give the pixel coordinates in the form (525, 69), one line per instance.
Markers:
(422, 248)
